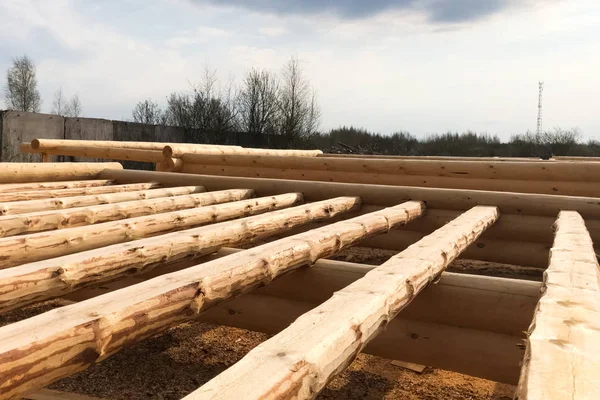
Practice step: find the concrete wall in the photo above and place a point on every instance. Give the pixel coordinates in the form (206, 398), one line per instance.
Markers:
(17, 127)
(88, 129)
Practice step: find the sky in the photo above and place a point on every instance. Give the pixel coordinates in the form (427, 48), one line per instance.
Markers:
(422, 66)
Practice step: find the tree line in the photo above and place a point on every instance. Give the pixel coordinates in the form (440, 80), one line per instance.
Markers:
(21, 92)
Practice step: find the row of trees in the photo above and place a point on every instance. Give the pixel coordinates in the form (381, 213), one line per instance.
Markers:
(470, 144)
(265, 104)
(21, 92)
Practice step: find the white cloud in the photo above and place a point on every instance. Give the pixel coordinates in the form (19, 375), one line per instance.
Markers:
(273, 31)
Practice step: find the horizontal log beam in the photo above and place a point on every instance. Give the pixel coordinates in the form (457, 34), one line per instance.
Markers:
(43, 172)
(29, 186)
(515, 184)
(181, 150)
(446, 199)
(45, 245)
(85, 191)
(48, 144)
(300, 361)
(441, 158)
(562, 360)
(92, 151)
(11, 225)
(47, 279)
(30, 206)
(76, 336)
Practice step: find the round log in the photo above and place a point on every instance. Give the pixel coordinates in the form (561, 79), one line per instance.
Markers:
(181, 151)
(116, 153)
(36, 186)
(43, 172)
(85, 191)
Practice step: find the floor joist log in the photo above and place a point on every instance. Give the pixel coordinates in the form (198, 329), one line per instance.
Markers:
(29, 186)
(87, 191)
(442, 158)
(550, 171)
(29, 206)
(550, 187)
(562, 360)
(44, 172)
(302, 359)
(92, 151)
(47, 279)
(76, 336)
(11, 225)
(45, 245)
(47, 144)
(445, 199)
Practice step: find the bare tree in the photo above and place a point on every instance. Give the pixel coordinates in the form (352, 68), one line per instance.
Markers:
(21, 87)
(298, 104)
(149, 112)
(258, 103)
(58, 104)
(73, 108)
(66, 107)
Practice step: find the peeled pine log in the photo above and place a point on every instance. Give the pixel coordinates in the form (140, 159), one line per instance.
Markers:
(92, 151)
(516, 184)
(42, 172)
(35, 186)
(45, 245)
(42, 145)
(11, 225)
(41, 280)
(76, 336)
(53, 194)
(562, 360)
(170, 165)
(302, 359)
(372, 194)
(179, 150)
(29, 206)
(441, 158)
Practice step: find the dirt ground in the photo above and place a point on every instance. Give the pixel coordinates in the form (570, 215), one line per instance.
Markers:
(178, 361)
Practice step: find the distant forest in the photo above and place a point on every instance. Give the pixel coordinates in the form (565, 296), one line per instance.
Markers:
(556, 142)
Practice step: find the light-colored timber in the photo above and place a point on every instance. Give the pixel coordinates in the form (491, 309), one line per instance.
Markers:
(300, 361)
(170, 165)
(49, 144)
(518, 185)
(43, 172)
(562, 360)
(441, 158)
(42, 280)
(444, 199)
(181, 150)
(92, 151)
(86, 191)
(29, 206)
(36, 186)
(11, 225)
(45, 245)
(76, 336)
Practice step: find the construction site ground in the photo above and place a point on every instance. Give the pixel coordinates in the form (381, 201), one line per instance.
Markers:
(178, 361)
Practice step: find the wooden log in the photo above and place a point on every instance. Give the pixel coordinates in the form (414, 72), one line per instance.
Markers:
(27, 186)
(181, 150)
(48, 144)
(86, 191)
(11, 225)
(76, 336)
(562, 360)
(497, 305)
(170, 165)
(43, 172)
(300, 361)
(29, 206)
(549, 171)
(568, 188)
(45, 245)
(441, 158)
(34, 282)
(92, 151)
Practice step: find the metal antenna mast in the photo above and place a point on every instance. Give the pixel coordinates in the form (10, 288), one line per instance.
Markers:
(539, 120)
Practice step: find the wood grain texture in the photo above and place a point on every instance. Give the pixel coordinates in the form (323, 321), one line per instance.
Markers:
(302, 359)
(92, 151)
(179, 150)
(42, 280)
(29, 206)
(40, 221)
(562, 360)
(74, 337)
(23, 249)
(85, 191)
(29, 186)
(44, 172)
(47, 394)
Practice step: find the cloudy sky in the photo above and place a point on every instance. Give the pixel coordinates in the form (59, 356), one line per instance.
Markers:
(423, 66)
